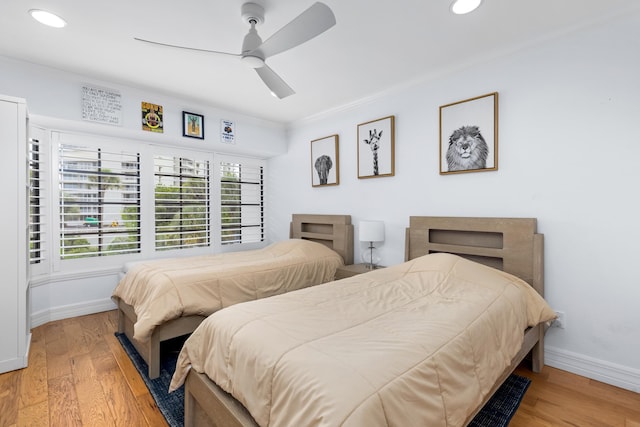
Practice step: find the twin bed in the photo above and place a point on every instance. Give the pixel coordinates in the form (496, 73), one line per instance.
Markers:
(426, 342)
(164, 299)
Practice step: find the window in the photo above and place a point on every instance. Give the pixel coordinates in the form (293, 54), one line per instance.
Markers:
(241, 202)
(99, 202)
(181, 202)
(37, 216)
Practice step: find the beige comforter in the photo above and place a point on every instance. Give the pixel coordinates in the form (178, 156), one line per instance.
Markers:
(418, 344)
(162, 290)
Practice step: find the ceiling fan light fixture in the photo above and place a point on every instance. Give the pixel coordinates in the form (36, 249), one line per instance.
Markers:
(253, 61)
(47, 18)
(460, 7)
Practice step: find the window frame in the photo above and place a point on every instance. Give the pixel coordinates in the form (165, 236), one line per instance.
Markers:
(250, 161)
(183, 203)
(147, 150)
(57, 139)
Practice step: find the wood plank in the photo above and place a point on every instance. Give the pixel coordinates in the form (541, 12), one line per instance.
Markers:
(120, 400)
(33, 383)
(58, 361)
(9, 385)
(74, 334)
(36, 415)
(93, 329)
(63, 402)
(150, 411)
(127, 369)
(560, 398)
(91, 399)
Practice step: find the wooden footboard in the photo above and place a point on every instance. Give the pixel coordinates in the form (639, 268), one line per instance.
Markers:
(150, 350)
(206, 404)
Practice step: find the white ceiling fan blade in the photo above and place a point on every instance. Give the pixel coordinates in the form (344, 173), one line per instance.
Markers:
(188, 48)
(274, 82)
(309, 24)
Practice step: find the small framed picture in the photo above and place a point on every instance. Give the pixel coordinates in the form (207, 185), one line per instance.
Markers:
(192, 125)
(152, 117)
(227, 131)
(325, 163)
(376, 145)
(469, 135)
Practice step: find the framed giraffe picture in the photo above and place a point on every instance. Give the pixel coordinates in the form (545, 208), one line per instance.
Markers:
(376, 146)
(325, 165)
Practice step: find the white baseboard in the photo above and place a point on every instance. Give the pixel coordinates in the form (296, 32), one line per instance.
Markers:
(600, 370)
(73, 310)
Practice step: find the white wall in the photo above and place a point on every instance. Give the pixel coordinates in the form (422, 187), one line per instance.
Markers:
(568, 153)
(54, 98)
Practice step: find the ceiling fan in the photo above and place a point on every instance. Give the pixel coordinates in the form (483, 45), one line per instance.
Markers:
(312, 22)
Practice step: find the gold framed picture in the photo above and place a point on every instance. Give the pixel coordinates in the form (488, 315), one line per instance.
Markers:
(469, 135)
(376, 145)
(325, 161)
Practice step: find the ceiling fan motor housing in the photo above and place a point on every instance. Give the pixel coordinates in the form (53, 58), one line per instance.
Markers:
(252, 12)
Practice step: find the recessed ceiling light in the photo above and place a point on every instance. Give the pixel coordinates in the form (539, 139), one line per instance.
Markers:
(460, 7)
(47, 18)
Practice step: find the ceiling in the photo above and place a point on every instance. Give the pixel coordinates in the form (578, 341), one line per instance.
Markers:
(375, 46)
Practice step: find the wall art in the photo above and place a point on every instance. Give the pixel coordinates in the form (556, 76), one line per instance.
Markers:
(469, 135)
(376, 145)
(325, 162)
(192, 125)
(152, 117)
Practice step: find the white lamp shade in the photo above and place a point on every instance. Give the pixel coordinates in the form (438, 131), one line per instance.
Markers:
(371, 231)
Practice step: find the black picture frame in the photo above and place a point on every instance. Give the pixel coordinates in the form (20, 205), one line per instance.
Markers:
(192, 125)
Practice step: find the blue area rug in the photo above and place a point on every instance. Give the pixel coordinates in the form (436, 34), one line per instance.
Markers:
(170, 404)
(503, 404)
(496, 413)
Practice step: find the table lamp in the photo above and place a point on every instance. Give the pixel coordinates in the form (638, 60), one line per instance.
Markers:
(371, 231)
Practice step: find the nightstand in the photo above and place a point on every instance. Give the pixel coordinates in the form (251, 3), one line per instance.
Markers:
(352, 270)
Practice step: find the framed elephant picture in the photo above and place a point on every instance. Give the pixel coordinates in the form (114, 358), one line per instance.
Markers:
(376, 145)
(325, 164)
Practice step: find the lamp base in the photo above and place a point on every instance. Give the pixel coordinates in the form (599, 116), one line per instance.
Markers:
(371, 257)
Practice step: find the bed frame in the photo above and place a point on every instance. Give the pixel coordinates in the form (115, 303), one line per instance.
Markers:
(509, 244)
(333, 231)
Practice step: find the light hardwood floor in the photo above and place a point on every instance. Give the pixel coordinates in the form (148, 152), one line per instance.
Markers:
(79, 374)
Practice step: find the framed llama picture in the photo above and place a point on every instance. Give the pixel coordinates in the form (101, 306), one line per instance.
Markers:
(192, 125)
(376, 145)
(325, 165)
(469, 135)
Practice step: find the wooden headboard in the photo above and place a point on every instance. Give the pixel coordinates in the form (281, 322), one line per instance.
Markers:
(333, 231)
(508, 244)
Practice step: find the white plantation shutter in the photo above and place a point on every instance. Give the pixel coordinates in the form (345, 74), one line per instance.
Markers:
(241, 202)
(38, 219)
(182, 188)
(99, 201)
